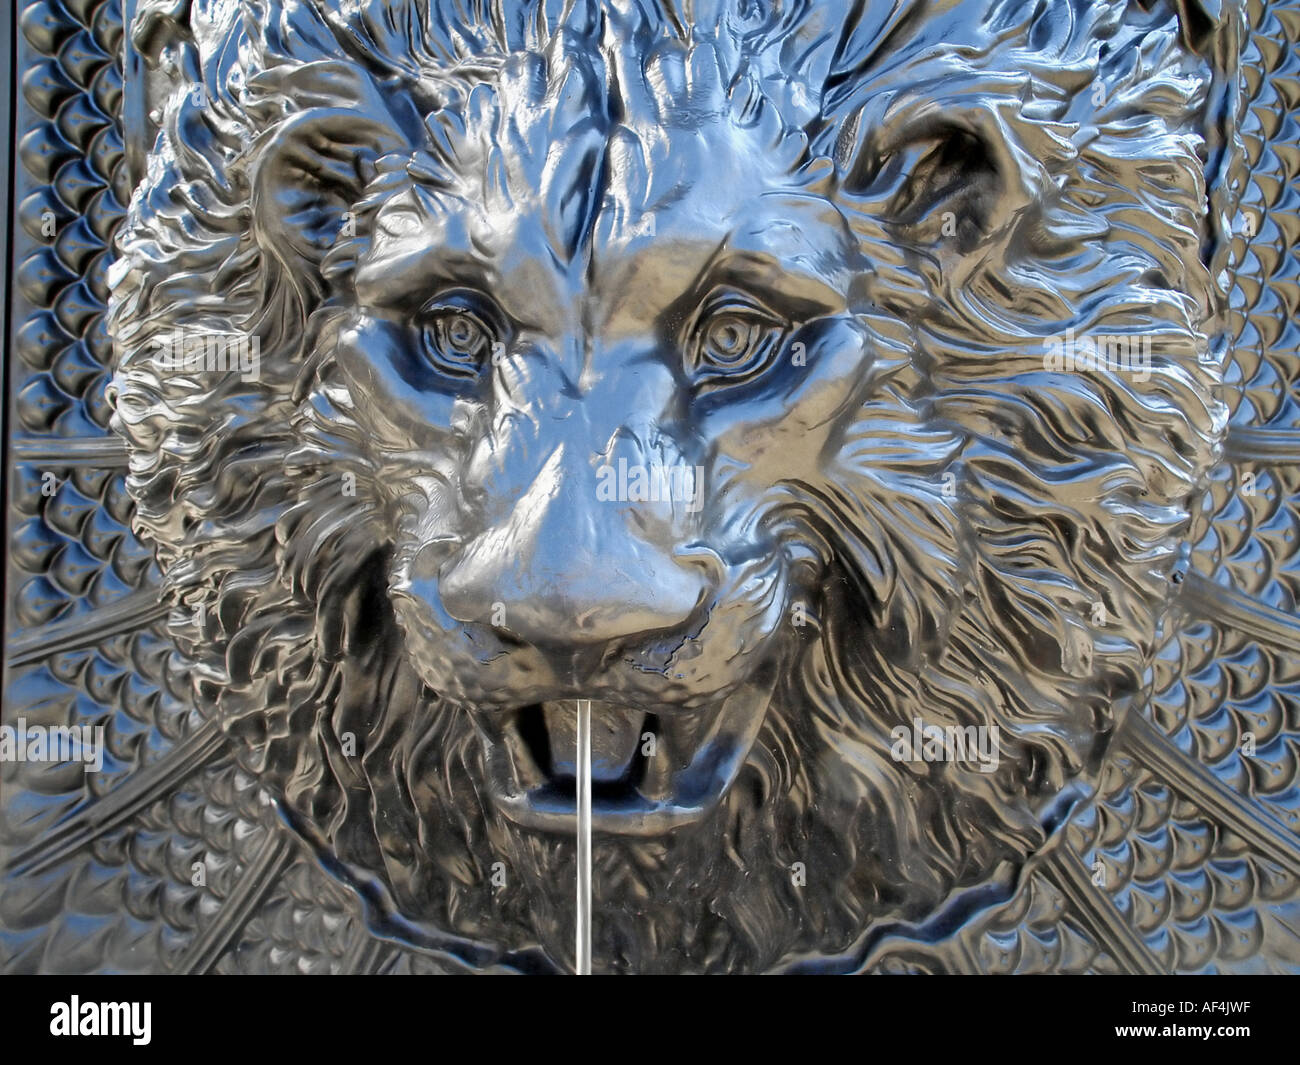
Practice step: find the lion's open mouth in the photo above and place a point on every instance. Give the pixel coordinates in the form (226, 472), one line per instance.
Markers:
(650, 771)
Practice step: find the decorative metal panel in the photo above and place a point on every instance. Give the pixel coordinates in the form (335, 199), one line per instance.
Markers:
(754, 485)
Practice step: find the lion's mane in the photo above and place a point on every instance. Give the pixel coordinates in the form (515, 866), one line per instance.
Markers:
(1044, 510)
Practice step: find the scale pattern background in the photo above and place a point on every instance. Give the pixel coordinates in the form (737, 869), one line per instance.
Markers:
(1188, 859)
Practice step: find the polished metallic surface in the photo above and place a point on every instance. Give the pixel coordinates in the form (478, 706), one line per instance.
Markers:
(880, 413)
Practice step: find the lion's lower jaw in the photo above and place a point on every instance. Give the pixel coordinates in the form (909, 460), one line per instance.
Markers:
(651, 773)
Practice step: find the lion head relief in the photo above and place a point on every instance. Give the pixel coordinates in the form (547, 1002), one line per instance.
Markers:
(800, 389)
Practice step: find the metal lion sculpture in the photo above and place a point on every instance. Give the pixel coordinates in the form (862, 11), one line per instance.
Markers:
(824, 391)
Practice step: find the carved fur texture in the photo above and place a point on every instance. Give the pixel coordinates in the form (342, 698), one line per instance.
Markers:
(969, 535)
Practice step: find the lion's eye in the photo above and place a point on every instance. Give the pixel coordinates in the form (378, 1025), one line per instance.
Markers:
(457, 338)
(734, 340)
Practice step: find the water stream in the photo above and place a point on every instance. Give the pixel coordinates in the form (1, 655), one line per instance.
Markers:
(583, 773)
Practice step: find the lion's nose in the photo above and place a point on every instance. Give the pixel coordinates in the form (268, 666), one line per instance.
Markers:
(566, 567)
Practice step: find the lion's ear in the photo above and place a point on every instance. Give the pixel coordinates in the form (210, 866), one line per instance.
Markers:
(316, 162)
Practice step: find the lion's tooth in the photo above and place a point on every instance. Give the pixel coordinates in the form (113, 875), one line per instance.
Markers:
(503, 732)
(657, 781)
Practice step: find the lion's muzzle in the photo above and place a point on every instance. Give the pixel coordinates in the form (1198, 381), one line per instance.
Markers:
(565, 566)
(577, 579)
